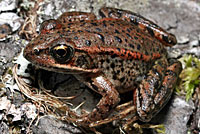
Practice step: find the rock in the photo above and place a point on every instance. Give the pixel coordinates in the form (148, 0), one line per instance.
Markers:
(4, 129)
(50, 125)
(183, 39)
(175, 115)
(194, 43)
(12, 19)
(8, 5)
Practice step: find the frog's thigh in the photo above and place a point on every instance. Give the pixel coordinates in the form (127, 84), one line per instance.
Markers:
(71, 17)
(141, 22)
(151, 96)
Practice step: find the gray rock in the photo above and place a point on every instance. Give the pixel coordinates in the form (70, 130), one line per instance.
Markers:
(175, 115)
(194, 43)
(183, 39)
(7, 5)
(50, 125)
(4, 129)
(12, 19)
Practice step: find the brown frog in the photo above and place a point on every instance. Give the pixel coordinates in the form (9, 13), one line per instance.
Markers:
(122, 52)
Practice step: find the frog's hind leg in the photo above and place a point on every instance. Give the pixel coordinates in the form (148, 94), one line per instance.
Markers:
(141, 22)
(168, 84)
(160, 82)
(110, 98)
(152, 95)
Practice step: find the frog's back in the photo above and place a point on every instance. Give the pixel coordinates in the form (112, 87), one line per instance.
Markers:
(120, 49)
(113, 33)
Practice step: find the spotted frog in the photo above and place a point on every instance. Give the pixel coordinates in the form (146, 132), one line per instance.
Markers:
(121, 52)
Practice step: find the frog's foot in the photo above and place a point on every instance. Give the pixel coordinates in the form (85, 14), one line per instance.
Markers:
(142, 23)
(155, 91)
(123, 110)
(128, 109)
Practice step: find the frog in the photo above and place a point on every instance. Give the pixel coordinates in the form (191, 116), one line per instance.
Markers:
(120, 52)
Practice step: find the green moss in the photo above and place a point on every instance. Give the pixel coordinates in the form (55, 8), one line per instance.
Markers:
(190, 75)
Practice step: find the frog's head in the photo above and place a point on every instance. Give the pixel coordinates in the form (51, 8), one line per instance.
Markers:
(59, 54)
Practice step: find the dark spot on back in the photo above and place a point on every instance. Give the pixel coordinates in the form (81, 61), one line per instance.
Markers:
(87, 30)
(150, 31)
(98, 29)
(118, 39)
(111, 24)
(135, 37)
(63, 28)
(80, 31)
(94, 24)
(101, 37)
(129, 35)
(107, 60)
(82, 24)
(88, 42)
(76, 38)
(119, 13)
(141, 56)
(129, 55)
(122, 79)
(138, 47)
(113, 56)
(131, 45)
(133, 20)
(128, 30)
(114, 76)
(112, 65)
(104, 23)
(157, 48)
(70, 24)
(118, 71)
(102, 61)
(116, 31)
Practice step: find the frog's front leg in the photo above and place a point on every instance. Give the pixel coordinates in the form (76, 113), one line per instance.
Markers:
(110, 98)
(141, 22)
(155, 91)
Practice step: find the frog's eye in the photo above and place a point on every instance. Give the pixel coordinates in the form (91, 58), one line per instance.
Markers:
(62, 53)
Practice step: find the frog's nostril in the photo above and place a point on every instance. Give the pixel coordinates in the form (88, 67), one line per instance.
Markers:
(36, 51)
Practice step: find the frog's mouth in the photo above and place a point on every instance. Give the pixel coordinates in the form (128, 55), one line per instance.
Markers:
(46, 62)
(67, 69)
